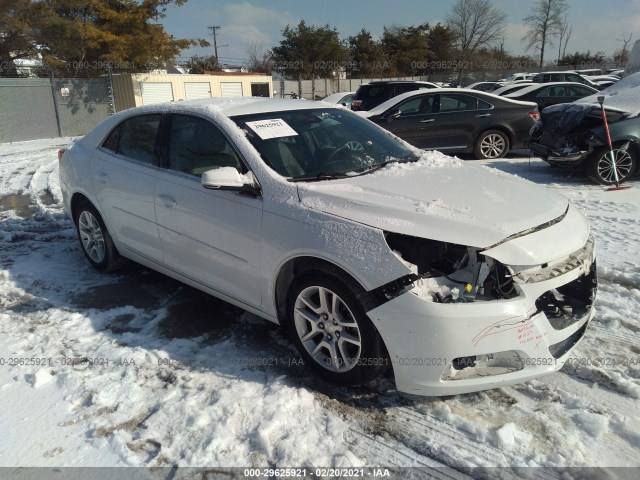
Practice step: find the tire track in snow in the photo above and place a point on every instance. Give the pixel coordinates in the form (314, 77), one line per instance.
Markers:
(39, 181)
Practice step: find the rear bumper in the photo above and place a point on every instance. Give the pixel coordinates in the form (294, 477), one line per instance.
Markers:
(570, 155)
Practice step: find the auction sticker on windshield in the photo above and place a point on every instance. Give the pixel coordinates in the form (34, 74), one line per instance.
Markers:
(274, 128)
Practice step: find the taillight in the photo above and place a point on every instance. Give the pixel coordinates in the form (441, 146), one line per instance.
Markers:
(534, 114)
(356, 104)
(61, 153)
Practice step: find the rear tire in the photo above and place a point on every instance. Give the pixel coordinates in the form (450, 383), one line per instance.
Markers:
(332, 331)
(599, 169)
(95, 241)
(491, 144)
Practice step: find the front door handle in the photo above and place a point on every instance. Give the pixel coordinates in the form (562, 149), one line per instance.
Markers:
(483, 115)
(167, 201)
(429, 120)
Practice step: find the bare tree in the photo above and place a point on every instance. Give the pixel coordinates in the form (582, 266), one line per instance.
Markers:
(476, 24)
(544, 23)
(626, 42)
(259, 58)
(563, 33)
(566, 40)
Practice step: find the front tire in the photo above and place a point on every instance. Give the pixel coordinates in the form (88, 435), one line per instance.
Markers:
(491, 144)
(600, 169)
(95, 241)
(332, 331)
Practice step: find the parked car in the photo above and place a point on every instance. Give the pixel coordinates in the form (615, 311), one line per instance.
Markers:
(485, 86)
(370, 95)
(603, 81)
(568, 76)
(518, 77)
(511, 88)
(457, 120)
(546, 94)
(342, 98)
(572, 135)
(590, 72)
(313, 217)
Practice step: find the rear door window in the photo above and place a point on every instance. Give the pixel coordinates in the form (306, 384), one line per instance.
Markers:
(457, 103)
(135, 138)
(572, 77)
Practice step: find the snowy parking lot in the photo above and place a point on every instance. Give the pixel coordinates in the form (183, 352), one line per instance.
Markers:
(136, 369)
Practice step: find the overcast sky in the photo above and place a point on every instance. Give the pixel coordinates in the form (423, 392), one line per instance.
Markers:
(597, 25)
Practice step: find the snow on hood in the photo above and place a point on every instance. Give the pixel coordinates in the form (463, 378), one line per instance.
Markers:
(439, 198)
(624, 94)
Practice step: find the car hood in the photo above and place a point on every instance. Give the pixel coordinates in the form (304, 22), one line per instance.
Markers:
(438, 198)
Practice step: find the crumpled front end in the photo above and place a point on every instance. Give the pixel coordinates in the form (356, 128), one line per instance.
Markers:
(498, 316)
(568, 133)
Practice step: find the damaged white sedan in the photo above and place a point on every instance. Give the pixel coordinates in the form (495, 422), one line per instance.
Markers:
(371, 253)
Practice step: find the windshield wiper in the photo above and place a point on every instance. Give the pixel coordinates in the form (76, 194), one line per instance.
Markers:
(321, 176)
(407, 159)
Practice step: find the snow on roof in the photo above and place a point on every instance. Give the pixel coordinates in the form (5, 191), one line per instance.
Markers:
(235, 106)
(624, 95)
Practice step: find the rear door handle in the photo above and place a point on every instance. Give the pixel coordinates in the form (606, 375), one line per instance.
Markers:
(102, 177)
(482, 115)
(429, 120)
(167, 201)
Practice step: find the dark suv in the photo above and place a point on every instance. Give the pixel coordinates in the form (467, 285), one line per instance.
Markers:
(370, 95)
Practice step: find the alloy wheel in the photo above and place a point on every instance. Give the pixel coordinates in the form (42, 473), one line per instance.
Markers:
(493, 145)
(327, 329)
(624, 164)
(91, 236)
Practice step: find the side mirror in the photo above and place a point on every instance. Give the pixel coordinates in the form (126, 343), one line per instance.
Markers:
(394, 115)
(228, 178)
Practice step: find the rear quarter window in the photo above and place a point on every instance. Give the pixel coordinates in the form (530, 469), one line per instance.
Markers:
(135, 138)
(373, 92)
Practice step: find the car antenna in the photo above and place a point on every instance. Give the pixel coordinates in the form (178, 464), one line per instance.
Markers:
(613, 156)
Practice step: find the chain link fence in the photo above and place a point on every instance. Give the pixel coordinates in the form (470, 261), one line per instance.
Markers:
(33, 108)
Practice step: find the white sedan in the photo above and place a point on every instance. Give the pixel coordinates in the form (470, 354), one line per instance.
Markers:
(371, 253)
(342, 98)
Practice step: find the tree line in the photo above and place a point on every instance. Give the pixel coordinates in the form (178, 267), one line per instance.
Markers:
(126, 35)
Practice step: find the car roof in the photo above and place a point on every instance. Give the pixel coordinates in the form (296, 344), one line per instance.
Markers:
(384, 82)
(488, 96)
(210, 107)
(231, 106)
(511, 85)
(557, 71)
(490, 82)
(536, 86)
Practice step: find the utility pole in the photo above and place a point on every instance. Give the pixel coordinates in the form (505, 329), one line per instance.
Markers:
(213, 29)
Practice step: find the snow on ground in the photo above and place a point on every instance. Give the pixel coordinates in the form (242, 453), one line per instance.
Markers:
(135, 369)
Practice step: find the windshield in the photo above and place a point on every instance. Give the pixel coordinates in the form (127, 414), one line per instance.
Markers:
(321, 143)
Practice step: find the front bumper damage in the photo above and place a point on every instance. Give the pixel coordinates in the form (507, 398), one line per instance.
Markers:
(453, 348)
(569, 154)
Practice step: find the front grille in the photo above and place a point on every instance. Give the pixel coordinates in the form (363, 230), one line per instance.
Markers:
(566, 305)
